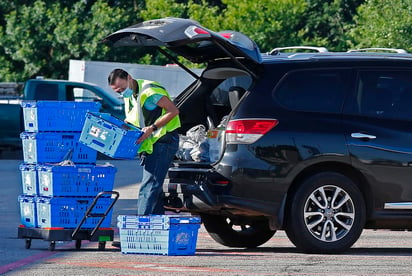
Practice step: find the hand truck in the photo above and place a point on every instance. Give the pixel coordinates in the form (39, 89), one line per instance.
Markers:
(78, 234)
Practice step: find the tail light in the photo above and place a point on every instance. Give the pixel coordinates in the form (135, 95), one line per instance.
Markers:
(227, 35)
(248, 131)
(193, 31)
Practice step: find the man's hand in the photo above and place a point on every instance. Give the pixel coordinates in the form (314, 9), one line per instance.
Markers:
(147, 131)
(171, 112)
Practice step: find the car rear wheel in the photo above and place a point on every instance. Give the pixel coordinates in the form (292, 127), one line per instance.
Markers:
(326, 214)
(237, 233)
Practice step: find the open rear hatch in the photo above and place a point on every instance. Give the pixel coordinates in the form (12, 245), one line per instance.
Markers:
(232, 59)
(190, 40)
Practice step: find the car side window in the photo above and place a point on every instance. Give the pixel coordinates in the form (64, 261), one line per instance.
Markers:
(222, 95)
(385, 94)
(312, 90)
(46, 91)
(82, 94)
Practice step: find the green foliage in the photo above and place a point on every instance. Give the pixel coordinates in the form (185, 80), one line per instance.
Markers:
(205, 13)
(383, 23)
(38, 37)
(326, 22)
(5, 73)
(163, 8)
(271, 23)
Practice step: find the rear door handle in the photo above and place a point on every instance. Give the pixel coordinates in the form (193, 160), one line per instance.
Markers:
(359, 135)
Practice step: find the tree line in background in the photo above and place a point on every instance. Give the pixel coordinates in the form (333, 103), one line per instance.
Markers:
(39, 37)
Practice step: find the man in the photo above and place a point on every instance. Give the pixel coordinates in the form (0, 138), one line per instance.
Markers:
(148, 106)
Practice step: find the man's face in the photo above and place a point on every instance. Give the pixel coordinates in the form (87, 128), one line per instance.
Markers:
(120, 85)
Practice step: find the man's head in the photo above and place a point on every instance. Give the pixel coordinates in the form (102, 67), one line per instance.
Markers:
(119, 80)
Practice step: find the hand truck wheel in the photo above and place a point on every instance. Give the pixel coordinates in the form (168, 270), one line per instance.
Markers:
(102, 245)
(28, 244)
(52, 246)
(78, 244)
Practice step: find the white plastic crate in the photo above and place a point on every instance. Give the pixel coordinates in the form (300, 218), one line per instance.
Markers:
(139, 235)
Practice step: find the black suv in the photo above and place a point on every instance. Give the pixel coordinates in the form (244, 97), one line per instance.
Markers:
(318, 144)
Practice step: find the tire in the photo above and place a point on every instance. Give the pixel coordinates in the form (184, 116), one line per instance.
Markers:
(326, 214)
(78, 244)
(102, 245)
(52, 246)
(27, 244)
(229, 233)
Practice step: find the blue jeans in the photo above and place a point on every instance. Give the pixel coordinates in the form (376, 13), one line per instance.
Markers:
(154, 172)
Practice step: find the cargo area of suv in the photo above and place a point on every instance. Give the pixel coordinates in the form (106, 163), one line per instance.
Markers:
(316, 144)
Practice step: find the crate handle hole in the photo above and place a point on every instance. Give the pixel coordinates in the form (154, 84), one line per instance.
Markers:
(98, 143)
(107, 126)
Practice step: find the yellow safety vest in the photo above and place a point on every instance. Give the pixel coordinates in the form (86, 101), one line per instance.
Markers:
(148, 88)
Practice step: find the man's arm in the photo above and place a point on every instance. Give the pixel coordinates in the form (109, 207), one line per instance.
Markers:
(171, 112)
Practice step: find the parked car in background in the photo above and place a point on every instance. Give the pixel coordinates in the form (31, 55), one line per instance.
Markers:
(317, 144)
(11, 115)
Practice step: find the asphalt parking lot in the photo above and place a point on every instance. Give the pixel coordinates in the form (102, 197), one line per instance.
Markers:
(376, 253)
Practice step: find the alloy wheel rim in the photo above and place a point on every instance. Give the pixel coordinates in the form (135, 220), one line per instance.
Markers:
(329, 213)
(238, 227)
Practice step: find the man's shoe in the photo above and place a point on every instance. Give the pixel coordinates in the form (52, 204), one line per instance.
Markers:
(116, 244)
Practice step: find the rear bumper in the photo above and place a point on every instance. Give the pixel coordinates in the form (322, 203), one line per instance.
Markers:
(192, 186)
(203, 190)
(200, 188)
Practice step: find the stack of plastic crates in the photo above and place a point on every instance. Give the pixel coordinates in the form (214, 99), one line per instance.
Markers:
(57, 192)
(158, 234)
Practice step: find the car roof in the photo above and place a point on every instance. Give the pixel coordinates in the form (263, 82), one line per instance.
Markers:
(335, 56)
(67, 82)
(87, 85)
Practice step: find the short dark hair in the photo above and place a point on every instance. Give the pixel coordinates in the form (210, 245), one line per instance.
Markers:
(117, 74)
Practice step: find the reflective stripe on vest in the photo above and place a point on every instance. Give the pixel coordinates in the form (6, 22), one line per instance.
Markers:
(148, 88)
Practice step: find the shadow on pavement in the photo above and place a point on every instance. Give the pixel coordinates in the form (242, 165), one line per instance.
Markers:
(398, 251)
(243, 252)
(393, 251)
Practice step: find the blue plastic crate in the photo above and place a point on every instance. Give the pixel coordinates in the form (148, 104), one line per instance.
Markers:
(67, 212)
(110, 136)
(56, 115)
(179, 239)
(29, 179)
(52, 147)
(78, 180)
(28, 214)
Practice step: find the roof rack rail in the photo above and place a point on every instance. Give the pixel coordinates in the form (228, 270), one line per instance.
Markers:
(399, 51)
(279, 49)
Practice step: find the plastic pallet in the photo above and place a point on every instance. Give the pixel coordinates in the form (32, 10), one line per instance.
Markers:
(52, 147)
(67, 212)
(56, 115)
(79, 180)
(110, 136)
